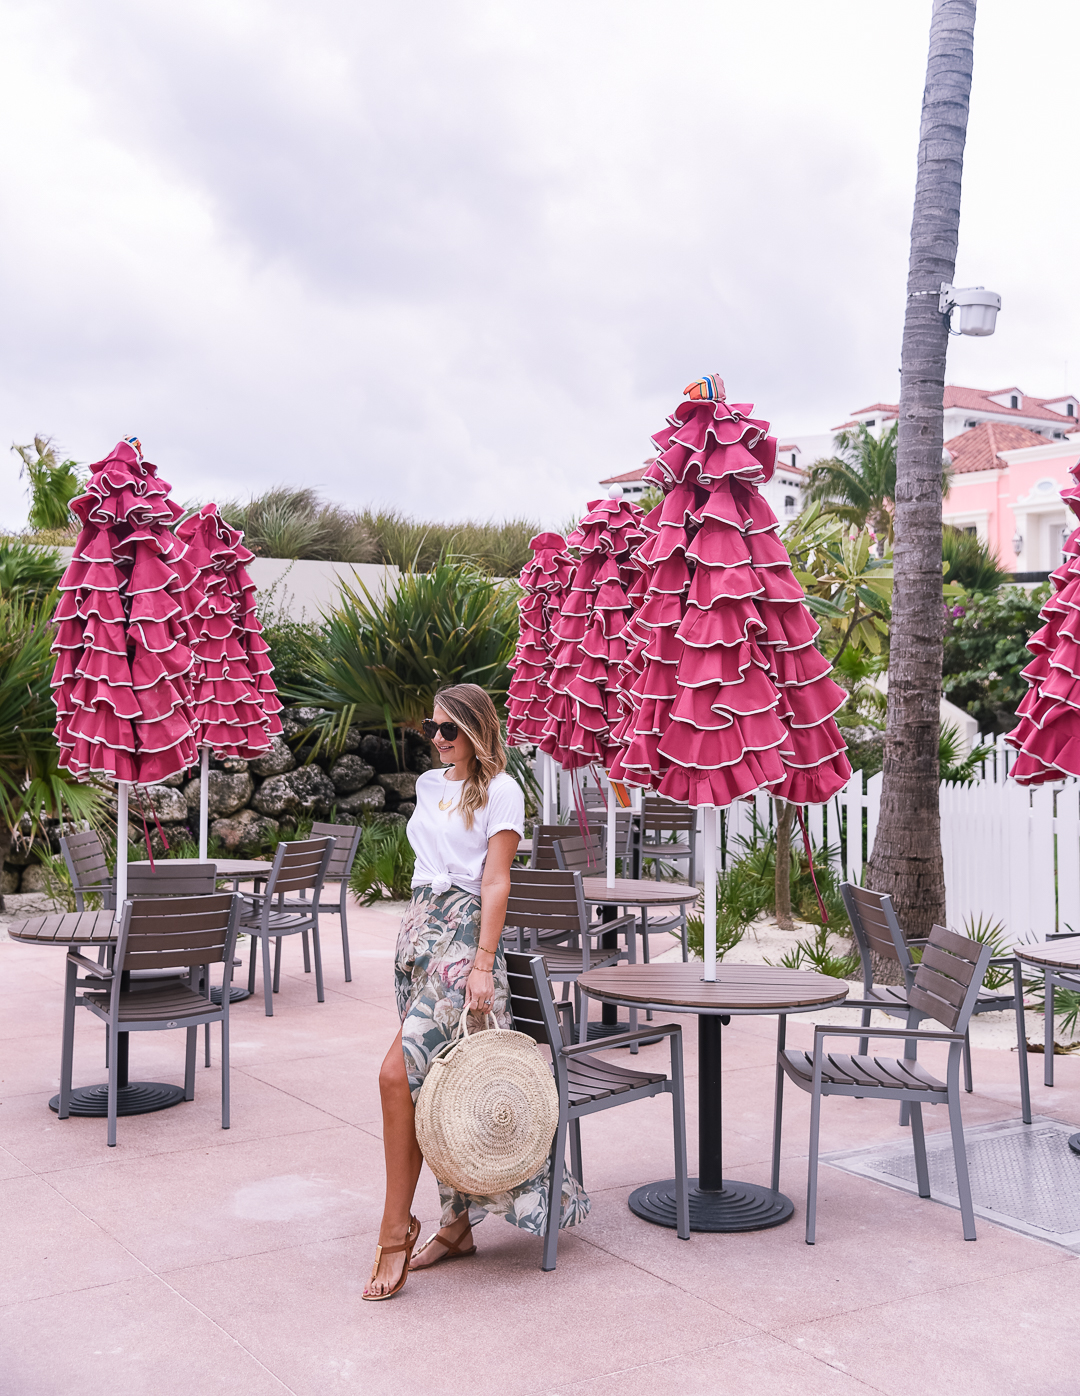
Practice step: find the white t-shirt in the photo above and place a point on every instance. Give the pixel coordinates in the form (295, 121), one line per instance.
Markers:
(446, 852)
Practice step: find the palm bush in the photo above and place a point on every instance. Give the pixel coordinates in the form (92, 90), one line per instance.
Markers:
(29, 571)
(971, 562)
(54, 483)
(32, 786)
(296, 523)
(499, 548)
(383, 658)
(384, 864)
(820, 955)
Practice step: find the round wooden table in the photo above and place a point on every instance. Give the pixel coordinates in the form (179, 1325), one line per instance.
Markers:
(631, 891)
(716, 1203)
(1053, 954)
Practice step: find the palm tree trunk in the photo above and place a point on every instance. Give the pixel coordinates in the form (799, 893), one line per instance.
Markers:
(906, 860)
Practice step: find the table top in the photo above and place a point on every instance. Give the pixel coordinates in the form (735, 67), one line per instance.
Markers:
(638, 891)
(738, 988)
(1051, 954)
(226, 867)
(66, 928)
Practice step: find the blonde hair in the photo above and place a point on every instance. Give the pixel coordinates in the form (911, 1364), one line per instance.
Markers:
(472, 709)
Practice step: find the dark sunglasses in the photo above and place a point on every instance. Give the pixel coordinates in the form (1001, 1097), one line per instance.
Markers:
(449, 730)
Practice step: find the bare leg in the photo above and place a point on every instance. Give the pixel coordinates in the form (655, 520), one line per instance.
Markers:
(403, 1161)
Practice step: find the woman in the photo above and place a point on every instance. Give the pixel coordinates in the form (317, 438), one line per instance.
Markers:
(464, 831)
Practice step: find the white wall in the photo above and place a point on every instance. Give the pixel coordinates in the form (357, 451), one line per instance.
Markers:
(302, 589)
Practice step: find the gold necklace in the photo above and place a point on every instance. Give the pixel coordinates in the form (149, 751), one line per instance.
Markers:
(447, 804)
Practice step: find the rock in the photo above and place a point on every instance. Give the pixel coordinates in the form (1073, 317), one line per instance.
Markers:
(235, 765)
(294, 720)
(175, 833)
(307, 789)
(406, 808)
(392, 820)
(401, 783)
(353, 737)
(33, 879)
(227, 792)
(349, 773)
(176, 781)
(372, 797)
(9, 880)
(243, 832)
(275, 762)
(168, 804)
(420, 761)
(378, 753)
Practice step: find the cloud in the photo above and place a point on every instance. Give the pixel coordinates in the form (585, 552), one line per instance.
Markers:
(461, 257)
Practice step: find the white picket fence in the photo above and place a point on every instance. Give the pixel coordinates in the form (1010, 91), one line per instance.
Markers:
(1011, 853)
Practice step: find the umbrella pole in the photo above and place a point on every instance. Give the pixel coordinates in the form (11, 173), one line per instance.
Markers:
(204, 800)
(708, 836)
(122, 789)
(612, 835)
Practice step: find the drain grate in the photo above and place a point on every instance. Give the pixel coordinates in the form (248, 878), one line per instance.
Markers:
(1024, 1177)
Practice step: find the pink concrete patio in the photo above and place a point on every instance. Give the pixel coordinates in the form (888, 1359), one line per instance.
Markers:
(190, 1260)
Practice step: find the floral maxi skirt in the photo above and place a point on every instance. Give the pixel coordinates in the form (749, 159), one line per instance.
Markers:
(435, 951)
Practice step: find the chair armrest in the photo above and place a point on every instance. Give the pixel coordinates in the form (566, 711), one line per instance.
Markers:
(869, 1003)
(621, 1039)
(1063, 935)
(824, 1030)
(90, 966)
(596, 928)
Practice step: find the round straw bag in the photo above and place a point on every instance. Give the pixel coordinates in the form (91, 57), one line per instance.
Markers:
(487, 1111)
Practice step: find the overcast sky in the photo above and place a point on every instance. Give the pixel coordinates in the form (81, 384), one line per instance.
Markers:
(461, 257)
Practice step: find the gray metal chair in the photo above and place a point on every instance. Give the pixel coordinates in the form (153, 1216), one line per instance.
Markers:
(346, 843)
(945, 988)
(1054, 979)
(298, 866)
(572, 851)
(546, 912)
(158, 934)
(877, 932)
(588, 1084)
(84, 856)
(669, 833)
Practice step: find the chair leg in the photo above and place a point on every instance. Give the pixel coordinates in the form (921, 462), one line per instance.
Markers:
(963, 1182)
(268, 978)
(189, 1063)
(67, 1047)
(307, 952)
(967, 1062)
(277, 964)
(114, 1067)
(345, 942)
(575, 1151)
(206, 1061)
(1021, 1042)
(778, 1102)
(1048, 1029)
(644, 956)
(581, 1013)
(864, 1042)
(682, 932)
(678, 1120)
(918, 1143)
(316, 946)
(225, 1100)
(551, 1234)
(812, 1168)
(253, 940)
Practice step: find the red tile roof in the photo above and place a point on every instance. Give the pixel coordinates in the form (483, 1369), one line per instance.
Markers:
(627, 476)
(978, 448)
(979, 400)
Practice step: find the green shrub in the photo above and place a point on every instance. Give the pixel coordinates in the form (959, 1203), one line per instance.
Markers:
(819, 955)
(985, 650)
(384, 864)
(29, 571)
(54, 483)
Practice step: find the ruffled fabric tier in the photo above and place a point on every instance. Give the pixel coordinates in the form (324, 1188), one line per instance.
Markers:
(1048, 733)
(544, 580)
(589, 647)
(124, 629)
(722, 689)
(236, 701)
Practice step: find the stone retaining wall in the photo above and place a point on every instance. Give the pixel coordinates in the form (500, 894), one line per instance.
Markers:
(249, 799)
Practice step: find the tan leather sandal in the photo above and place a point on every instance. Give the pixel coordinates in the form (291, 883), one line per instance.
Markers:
(410, 1240)
(452, 1248)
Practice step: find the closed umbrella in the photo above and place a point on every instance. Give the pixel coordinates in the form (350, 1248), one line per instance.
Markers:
(725, 693)
(543, 582)
(1048, 733)
(236, 704)
(124, 631)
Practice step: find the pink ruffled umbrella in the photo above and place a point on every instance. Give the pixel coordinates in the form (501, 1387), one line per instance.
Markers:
(543, 581)
(1048, 734)
(236, 704)
(725, 693)
(589, 647)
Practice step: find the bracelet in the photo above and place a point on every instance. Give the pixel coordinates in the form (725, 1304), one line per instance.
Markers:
(481, 951)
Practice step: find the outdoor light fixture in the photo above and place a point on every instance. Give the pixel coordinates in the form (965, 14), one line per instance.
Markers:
(1018, 542)
(978, 308)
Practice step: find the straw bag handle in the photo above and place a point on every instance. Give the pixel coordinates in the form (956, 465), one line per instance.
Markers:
(463, 1026)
